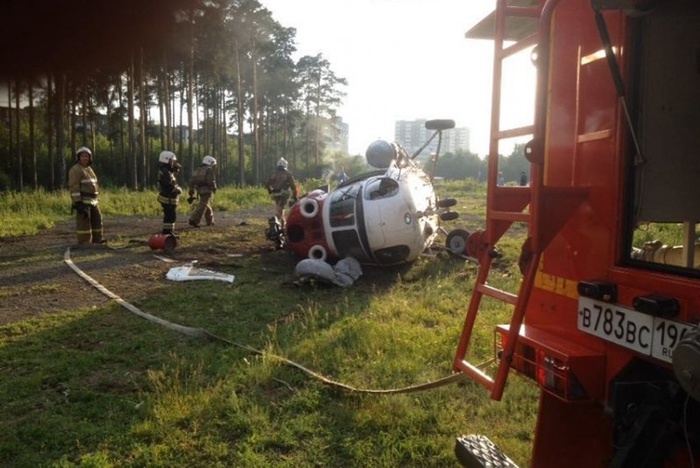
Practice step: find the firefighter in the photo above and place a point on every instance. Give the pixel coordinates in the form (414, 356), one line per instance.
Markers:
(82, 184)
(203, 183)
(342, 175)
(169, 193)
(281, 185)
(523, 179)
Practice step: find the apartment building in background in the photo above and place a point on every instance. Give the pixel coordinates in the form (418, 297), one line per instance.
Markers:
(412, 134)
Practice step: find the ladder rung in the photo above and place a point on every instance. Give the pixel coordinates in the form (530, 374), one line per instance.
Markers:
(474, 372)
(510, 216)
(504, 296)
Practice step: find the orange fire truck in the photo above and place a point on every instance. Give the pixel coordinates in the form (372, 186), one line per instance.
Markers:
(605, 318)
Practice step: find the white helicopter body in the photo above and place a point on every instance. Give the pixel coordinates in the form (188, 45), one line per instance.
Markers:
(385, 217)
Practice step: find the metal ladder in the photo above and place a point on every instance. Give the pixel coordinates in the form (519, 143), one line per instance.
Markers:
(507, 205)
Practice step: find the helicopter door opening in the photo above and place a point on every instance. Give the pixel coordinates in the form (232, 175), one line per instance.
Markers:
(663, 231)
(382, 188)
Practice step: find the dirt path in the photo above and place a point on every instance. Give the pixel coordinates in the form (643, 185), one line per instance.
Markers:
(35, 280)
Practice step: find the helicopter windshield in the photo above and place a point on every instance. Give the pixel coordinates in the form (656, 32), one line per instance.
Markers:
(342, 211)
(381, 188)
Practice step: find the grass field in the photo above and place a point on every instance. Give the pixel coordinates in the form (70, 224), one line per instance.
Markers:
(100, 387)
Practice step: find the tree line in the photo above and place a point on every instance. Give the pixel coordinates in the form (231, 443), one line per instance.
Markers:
(223, 82)
(464, 164)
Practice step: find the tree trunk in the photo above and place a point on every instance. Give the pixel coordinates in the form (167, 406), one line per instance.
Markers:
(161, 109)
(10, 125)
(20, 171)
(206, 124)
(70, 99)
(144, 117)
(32, 135)
(50, 106)
(223, 164)
(256, 122)
(317, 124)
(84, 114)
(132, 129)
(60, 127)
(190, 97)
(196, 99)
(122, 145)
(239, 117)
(216, 127)
(181, 125)
(168, 115)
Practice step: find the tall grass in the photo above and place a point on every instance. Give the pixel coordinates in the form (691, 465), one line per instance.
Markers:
(102, 387)
(27, 213)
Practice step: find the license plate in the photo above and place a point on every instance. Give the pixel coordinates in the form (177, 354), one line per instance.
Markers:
(648, 335)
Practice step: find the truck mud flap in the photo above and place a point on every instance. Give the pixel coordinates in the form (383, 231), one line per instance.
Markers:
(477, 451)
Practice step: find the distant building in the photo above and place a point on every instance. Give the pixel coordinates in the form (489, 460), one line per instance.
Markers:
(456, 139)
(412, 134)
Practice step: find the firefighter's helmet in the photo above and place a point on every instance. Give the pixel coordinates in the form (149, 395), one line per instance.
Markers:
(167, 156)
(209, 161)
(282, 163)
(81, 150)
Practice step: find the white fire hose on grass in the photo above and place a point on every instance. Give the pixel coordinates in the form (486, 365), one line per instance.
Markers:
(202, 333)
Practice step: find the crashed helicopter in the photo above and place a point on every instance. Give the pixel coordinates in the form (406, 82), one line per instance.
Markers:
(384, 217)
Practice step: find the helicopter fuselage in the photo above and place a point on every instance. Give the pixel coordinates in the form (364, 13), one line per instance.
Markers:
(379, 218)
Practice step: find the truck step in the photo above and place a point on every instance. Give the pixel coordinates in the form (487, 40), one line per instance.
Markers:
(477, 451)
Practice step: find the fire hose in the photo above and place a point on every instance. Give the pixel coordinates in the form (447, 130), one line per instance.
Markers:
(203, 333)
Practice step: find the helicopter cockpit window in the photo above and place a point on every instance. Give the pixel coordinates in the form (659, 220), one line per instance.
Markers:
(666, 198)
(342, 211)
(381, 188)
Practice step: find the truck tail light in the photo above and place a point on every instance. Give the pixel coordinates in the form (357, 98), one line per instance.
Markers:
(572, 374)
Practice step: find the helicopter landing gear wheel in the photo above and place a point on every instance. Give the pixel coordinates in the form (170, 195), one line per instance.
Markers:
(449, 215)
(456, 241)
(446, 202)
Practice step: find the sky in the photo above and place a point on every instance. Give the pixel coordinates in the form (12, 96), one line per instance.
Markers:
(405, 60)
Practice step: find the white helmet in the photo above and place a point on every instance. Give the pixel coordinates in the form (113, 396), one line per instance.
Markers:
(81, 150)
(282, 163)
(209, 161)
(166, 156)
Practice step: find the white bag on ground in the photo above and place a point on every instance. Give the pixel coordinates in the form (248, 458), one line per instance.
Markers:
(343, 274)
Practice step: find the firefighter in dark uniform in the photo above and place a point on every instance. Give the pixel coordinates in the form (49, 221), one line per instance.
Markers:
(83, 188)
(281, 185)
(169, 193)
(203, 183)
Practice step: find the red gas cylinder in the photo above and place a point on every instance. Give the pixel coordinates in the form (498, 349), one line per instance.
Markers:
(166, 242)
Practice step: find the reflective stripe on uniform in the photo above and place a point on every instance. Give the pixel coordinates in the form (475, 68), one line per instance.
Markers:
(167, 200)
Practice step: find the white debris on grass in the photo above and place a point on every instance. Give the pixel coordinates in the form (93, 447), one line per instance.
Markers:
(190, 272)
